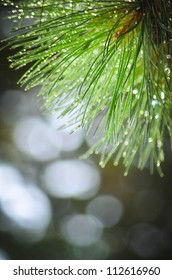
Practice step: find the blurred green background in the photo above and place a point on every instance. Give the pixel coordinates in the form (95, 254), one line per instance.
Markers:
(55, 206)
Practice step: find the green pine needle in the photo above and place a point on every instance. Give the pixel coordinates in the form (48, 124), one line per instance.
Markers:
(106, 59)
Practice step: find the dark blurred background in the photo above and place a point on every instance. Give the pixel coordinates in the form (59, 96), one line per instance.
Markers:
(55, 206)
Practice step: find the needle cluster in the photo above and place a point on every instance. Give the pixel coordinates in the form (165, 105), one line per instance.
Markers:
(106, 60)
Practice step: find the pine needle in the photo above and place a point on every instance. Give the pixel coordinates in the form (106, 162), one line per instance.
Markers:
(102, 58)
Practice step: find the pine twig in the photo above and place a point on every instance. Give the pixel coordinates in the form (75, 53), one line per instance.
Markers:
(108, 58)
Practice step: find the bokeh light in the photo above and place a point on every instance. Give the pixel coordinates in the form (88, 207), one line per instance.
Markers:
(36, 139)
(9, 176)
(55, 206)
(81, 229)
(100, 250)
(72, 178)
(25, 205)
(107, 209)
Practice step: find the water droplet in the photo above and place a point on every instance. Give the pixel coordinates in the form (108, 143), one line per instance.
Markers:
(124, 154)
(154, 102)
(159, 144)
(146, 114)
(101, 163)
(150, 140)
(162, 95)
(135, 91)
(126, 143)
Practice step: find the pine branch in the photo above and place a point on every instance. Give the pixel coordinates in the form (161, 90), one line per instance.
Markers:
(102, 58)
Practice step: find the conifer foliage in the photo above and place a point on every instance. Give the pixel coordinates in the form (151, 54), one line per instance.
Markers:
(106, 60)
